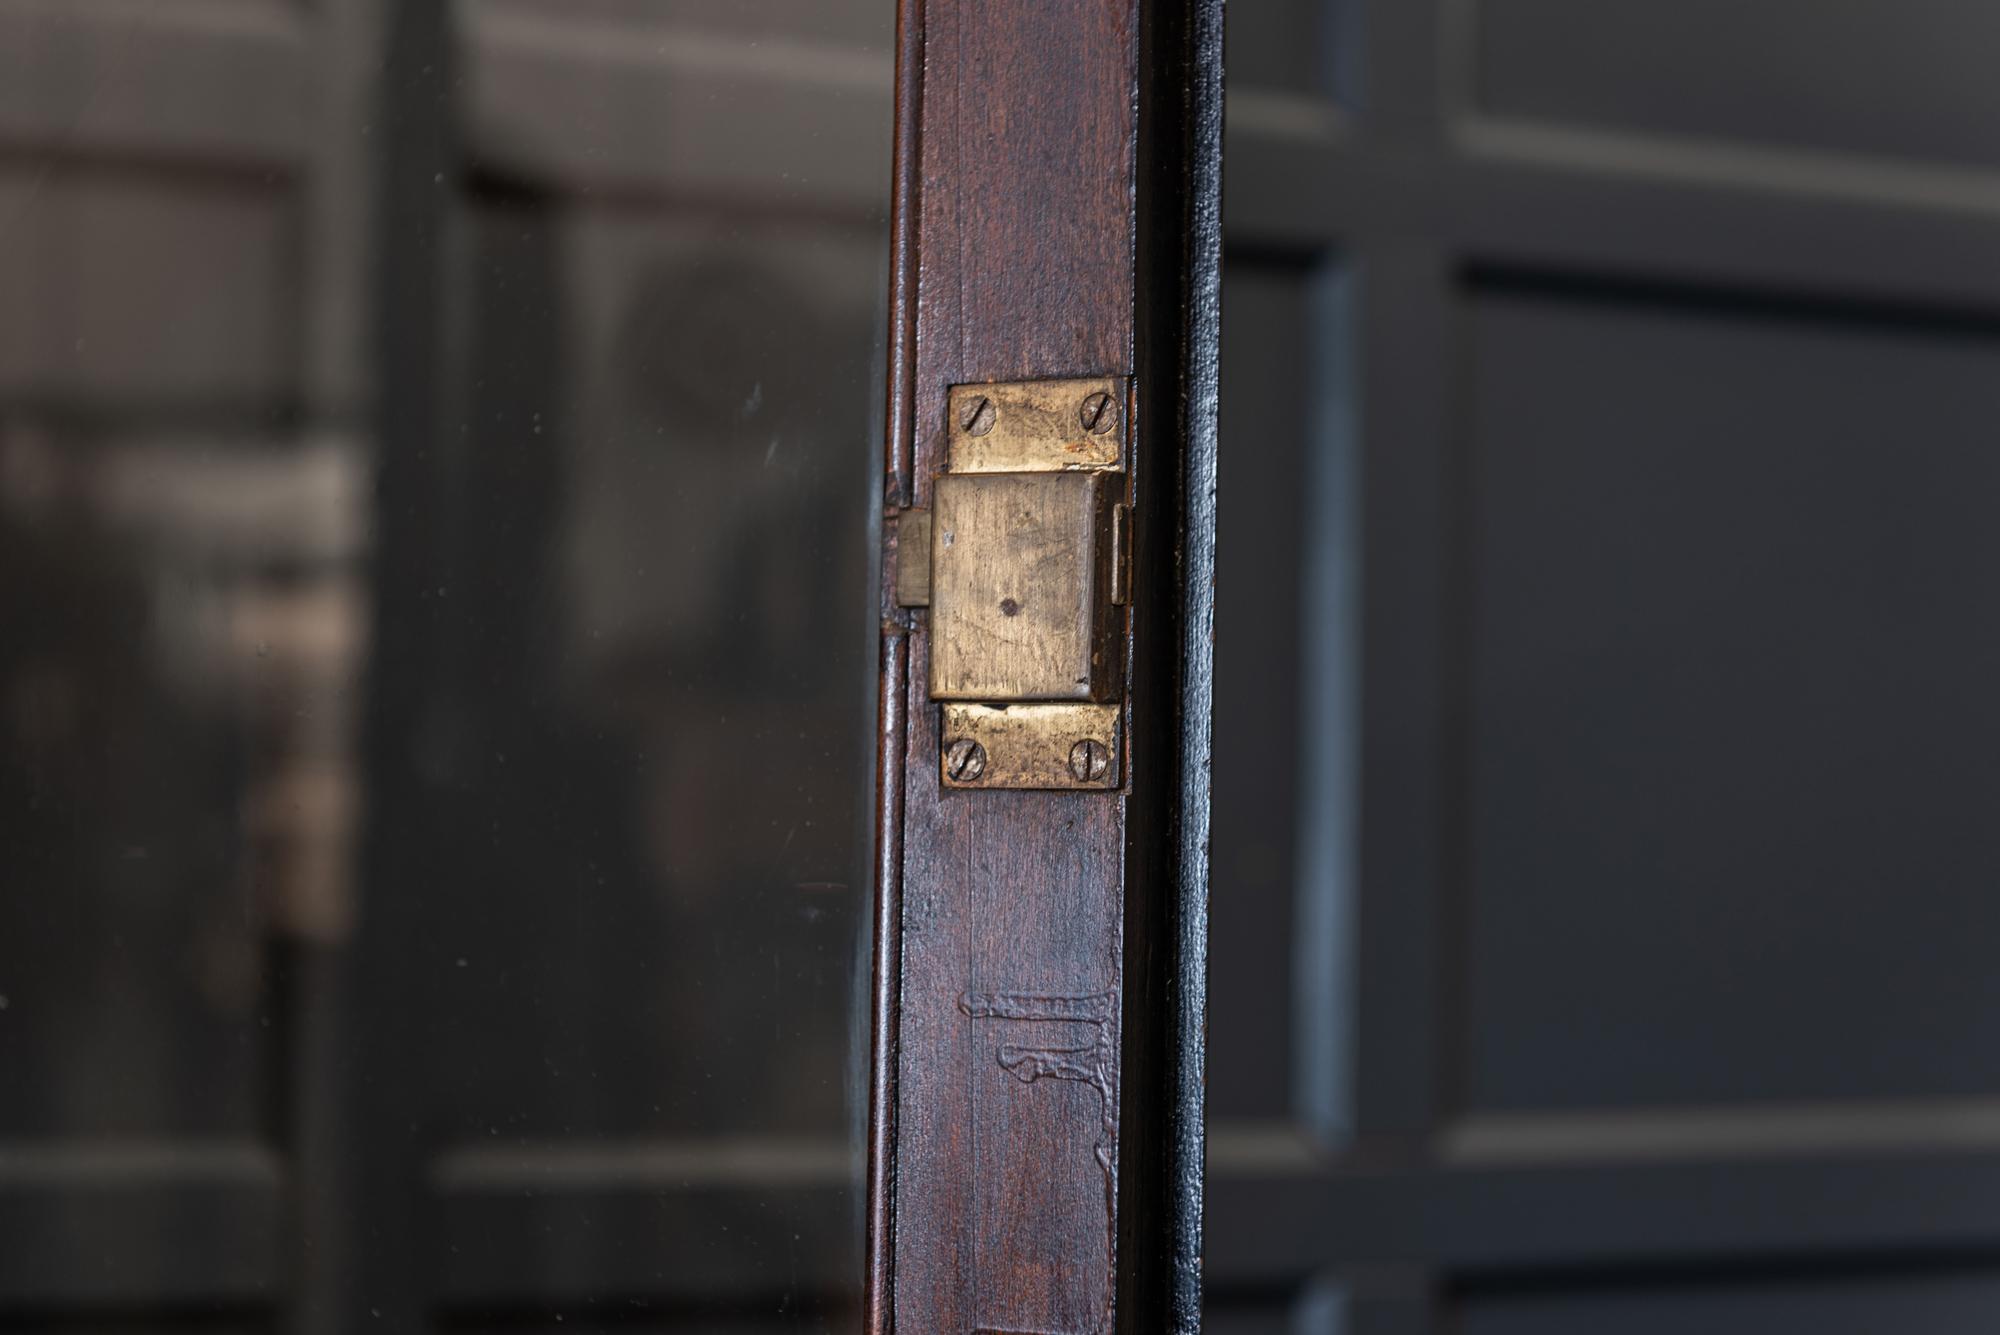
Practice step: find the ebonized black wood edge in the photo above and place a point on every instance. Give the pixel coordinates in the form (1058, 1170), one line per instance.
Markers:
(1178, 321)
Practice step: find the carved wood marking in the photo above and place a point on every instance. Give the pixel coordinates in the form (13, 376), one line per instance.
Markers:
(1094, 1064)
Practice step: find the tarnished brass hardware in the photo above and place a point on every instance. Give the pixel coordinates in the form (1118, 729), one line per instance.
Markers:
(913, 558)
(1029, 536)
(1021, 574)
(964, 760)
(1066, 746)
(1034, 426)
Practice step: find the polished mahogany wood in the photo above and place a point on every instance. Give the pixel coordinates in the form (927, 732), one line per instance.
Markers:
(1035, 1132)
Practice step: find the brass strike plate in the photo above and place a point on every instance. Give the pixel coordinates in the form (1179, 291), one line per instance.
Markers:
(1073, 746)
(1035, 426)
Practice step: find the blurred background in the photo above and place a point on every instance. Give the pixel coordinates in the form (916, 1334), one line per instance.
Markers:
(1607, 753)
(438, 459)
(438, 451)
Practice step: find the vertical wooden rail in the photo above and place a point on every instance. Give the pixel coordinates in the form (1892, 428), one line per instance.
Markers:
(1057, 214)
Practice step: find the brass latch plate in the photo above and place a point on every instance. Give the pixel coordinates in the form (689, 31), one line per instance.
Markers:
(1026, 579)
(1034, 426)
(1031, 746)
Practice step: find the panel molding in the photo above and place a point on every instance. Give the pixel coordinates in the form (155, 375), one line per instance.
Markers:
(227, 83)
(151, 1222)
(1272, 1226)
(652, 82)
(1305, 177)
(1804, 1130)
(548, 1223)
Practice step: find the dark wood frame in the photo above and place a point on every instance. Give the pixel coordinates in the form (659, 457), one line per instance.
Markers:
(1057, 213)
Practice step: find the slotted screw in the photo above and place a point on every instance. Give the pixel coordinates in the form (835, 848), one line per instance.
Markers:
(978, 416)
(1099, 413)
(1089, 759)
(964, 759)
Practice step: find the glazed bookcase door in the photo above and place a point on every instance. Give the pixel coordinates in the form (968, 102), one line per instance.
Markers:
(438, 447)
(460, 746)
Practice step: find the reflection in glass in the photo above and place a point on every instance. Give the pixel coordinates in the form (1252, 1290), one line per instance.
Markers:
(436, 448)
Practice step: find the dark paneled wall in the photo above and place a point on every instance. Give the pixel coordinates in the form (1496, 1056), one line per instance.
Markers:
(1602, 908)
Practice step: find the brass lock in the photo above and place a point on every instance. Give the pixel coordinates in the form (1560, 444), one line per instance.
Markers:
(1028, 540)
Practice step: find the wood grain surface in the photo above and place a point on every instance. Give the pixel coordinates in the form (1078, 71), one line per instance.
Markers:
(1002, 1192)
(1035, 1158)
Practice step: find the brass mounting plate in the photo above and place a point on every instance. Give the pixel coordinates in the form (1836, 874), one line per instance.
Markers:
(1062, 746)
(913, 558)
(1038, 426)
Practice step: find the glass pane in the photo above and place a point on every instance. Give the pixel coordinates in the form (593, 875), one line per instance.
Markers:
(438, 448)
